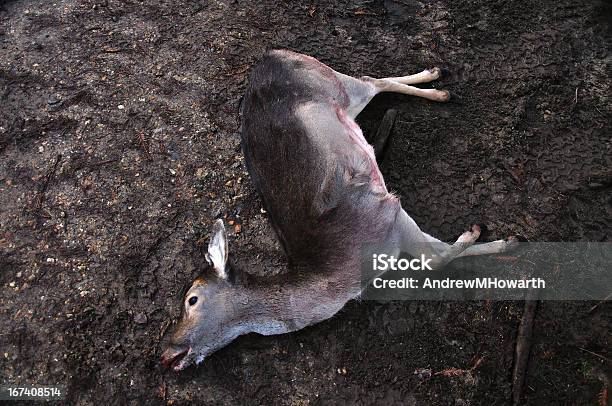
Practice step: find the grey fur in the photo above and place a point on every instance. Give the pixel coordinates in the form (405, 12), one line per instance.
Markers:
(327, 200)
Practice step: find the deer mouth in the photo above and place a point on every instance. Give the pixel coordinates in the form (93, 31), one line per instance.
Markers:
(175, 358)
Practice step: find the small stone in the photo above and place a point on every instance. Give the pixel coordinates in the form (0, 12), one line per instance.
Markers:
(423, 373)
(140, 318)
(53, 100)
(121, 107)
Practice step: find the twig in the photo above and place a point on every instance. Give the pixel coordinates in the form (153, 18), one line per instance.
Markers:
(100, 163)
(598, 304)
(595, 354)
(40, 198)
(401, 2)
(364, 12)
(576, 96)
(239, 70)
(112, 50)
(523, 345)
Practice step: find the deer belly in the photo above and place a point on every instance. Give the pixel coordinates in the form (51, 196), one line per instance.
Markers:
(356, 136)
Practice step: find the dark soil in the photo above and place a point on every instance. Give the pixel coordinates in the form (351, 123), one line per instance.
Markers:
(119, 145)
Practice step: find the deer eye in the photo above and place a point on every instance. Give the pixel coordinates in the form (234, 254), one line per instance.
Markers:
(193, 300)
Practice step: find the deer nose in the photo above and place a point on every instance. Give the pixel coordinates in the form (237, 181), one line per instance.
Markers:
(173, 355)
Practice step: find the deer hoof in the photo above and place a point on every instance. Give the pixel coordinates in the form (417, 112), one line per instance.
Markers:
(470, 237)
(436, 73)
(511, 244)
(445, 95)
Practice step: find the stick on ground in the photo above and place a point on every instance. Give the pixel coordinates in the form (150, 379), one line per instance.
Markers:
(523, 345)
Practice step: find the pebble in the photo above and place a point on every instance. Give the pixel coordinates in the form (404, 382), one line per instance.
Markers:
(140, 318)
(423, 373)
(53, 100)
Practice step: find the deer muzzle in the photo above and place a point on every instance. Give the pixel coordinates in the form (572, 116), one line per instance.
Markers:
(174, 357)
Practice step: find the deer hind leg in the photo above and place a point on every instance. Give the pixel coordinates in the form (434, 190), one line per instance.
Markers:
(415, 242)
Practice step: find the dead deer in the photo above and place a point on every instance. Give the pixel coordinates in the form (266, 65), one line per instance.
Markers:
(326, 198)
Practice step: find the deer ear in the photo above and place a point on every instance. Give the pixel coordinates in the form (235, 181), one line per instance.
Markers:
(217, 249)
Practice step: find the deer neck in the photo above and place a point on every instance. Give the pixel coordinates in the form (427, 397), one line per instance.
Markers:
(286, 304)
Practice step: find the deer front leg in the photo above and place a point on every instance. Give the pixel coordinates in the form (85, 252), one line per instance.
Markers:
(426, 76)
(380, 138)
(388, 85)
(400, 84)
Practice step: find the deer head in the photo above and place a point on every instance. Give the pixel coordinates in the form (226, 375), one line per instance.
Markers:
(224, 302)
(210, 308)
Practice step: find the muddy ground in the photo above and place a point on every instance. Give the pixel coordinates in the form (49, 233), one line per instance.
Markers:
(119, 145)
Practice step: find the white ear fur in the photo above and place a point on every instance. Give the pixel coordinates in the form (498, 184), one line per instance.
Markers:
(217, 249)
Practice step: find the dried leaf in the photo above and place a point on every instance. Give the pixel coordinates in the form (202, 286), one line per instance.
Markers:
(477, 363)
(450, 372)
(364, 12)
(161, 391)
(602, 399)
